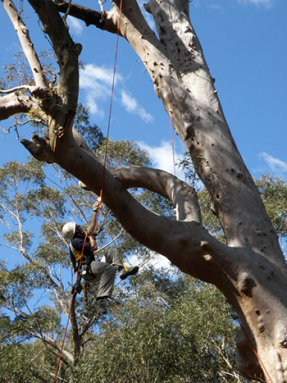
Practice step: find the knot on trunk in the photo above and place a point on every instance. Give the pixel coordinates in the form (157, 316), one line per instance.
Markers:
(245, 283)
(281, 335)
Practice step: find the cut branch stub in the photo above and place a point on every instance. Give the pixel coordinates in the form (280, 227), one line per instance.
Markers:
(39, 149)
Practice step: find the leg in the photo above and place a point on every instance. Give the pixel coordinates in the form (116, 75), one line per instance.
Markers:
(112, 257)
(107, 273)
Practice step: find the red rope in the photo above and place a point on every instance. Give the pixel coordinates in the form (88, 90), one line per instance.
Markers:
(257, 356)
(72, 302)
(111, 104)
(101, 192)
(174, 172)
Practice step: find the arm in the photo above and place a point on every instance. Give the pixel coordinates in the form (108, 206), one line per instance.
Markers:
(93, 243)
(92, 226)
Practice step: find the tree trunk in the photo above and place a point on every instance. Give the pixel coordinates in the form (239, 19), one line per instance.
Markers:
(250, 268)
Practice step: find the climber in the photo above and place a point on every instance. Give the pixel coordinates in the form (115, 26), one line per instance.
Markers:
(92, 271)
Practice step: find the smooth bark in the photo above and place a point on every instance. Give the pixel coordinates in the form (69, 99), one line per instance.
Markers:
(250, 268)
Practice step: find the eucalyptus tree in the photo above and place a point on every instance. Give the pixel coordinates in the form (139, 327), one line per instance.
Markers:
(250, 267)
(36, 279)
(168, 328)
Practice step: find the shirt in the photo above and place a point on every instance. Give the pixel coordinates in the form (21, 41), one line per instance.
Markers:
(76, 247)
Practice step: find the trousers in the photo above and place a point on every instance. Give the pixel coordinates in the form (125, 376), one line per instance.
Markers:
(105, 272)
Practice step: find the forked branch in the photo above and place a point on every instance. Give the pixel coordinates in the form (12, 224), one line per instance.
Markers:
(182, 195)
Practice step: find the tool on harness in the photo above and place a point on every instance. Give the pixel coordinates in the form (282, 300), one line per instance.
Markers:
(78, 288)
(86, 270)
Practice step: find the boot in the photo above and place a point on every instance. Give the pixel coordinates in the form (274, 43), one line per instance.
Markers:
(123, 274)
(100, 306)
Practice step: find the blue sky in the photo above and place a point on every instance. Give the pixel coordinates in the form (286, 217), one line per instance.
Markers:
(245, 46)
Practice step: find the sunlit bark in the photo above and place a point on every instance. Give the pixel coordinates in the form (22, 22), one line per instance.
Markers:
(250, 268)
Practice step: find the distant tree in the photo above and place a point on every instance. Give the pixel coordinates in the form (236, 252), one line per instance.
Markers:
(35, 289)
(249, 268)
(168, 328)
(273, 192)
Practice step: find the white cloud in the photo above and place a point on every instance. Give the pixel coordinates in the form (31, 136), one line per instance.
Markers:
(276, 165)
(148, 16)
(157, 261)
(92, 74)
(131, 105)
(264, 3)
(162, 157)
(14, 45)
(97, 82)
(75, 25)
(214, 6)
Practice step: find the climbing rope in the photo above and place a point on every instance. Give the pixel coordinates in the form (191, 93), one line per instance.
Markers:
(111, 105)
(101, 192)
(257, 356)
(72, 302)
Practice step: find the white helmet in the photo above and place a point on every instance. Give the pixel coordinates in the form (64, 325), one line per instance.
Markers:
(69, 230)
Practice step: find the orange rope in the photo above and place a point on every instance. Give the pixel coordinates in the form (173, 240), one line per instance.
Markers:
(111, 104)
(101, 193)
(72, 302)
(257, 356)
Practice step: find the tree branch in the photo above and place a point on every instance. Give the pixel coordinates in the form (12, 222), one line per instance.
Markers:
(161, 234)
(26, 43)
(17, 88)
(183, 83)
(19, 103)
(67, 55)
(182, 195)
(40, 149)
(89, 16)
(52, 343)
(87, 325)
(75, 329)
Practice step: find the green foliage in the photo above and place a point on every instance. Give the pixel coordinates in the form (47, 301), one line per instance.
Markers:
(165, 329)
(28, 362)
(161, 326)
(210, 221)
(273, 192)
(186, 165)
(19, 72)
(123, 153)
(32, 193)
(90, 133)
